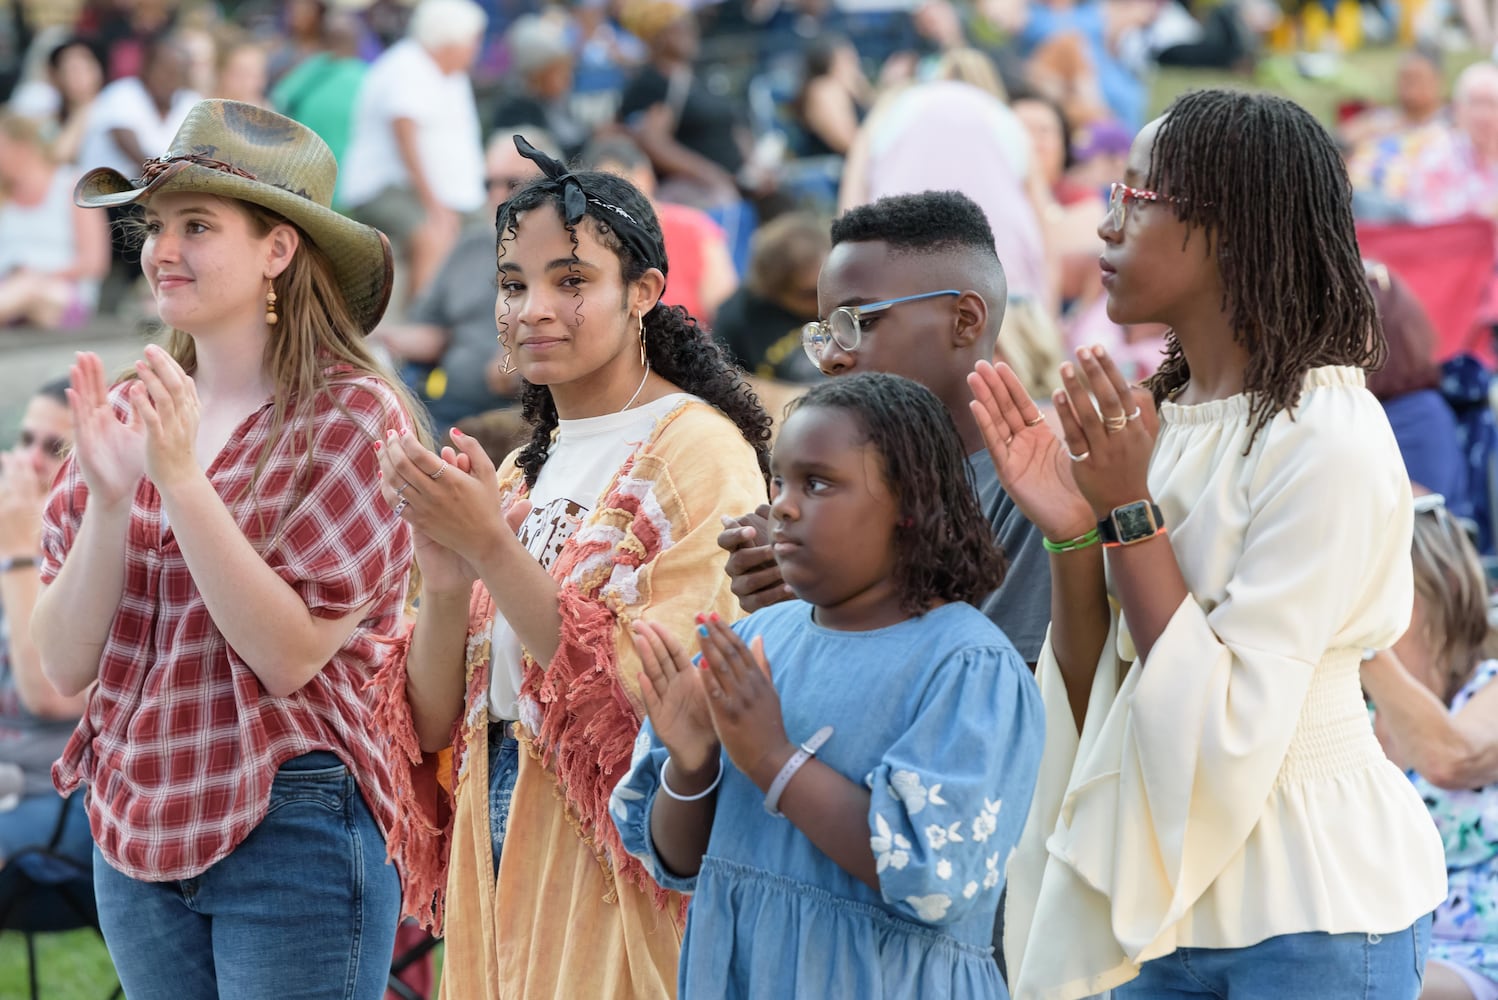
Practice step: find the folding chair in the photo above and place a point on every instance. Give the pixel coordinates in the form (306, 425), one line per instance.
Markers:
(47, 898)
(408, 979)
(1450, 270)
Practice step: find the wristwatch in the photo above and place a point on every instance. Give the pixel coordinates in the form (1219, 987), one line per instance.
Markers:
(1133, 522)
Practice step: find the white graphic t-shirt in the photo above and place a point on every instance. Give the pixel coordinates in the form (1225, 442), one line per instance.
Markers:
(579, 467)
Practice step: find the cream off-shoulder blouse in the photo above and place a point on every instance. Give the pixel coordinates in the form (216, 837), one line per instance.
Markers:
(1229, 788)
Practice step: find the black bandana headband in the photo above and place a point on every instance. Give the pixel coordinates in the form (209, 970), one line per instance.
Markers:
(557, 179)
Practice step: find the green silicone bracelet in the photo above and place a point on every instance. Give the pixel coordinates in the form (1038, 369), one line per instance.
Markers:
(1080, 542)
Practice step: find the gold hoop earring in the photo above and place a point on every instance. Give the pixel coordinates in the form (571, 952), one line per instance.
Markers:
(271, 319)
(506, 365)
(643, 360)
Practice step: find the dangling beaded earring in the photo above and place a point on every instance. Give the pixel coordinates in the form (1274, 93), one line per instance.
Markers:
(271, 319)
(505, 364)
(644, 362)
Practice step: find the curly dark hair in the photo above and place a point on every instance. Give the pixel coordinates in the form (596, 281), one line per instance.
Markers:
(677, 348)
(945, 549)
(1264, 182)
(928, 222)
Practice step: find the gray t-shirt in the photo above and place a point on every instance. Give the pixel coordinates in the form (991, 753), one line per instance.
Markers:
(1022, 604)
(28, 742)
(460, 299)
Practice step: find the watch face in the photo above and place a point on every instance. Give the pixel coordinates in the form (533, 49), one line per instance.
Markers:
(1134, 522)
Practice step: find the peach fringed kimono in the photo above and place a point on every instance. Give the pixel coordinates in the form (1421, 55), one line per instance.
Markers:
(571, 914)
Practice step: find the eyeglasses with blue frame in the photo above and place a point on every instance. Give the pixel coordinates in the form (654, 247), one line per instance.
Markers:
(843, 326)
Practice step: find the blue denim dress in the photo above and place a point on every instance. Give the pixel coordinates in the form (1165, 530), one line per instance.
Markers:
(940, 719)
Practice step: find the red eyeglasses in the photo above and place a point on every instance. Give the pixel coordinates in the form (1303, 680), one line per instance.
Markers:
(1120, 196)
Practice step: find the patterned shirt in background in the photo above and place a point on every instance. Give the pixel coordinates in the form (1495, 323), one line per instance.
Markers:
(1431, 172)
(1465, 931)
(180, 741)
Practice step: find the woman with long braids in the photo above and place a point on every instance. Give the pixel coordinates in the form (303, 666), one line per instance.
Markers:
(1214, 815)
(522, 658)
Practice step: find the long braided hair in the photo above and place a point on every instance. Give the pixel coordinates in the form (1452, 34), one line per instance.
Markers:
(1264, 183)
(677, 348)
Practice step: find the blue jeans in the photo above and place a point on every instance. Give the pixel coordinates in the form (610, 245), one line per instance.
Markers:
(305, 907)
(1292, 967)
(504, 765)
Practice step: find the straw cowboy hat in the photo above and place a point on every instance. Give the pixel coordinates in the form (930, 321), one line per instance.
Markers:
(236, 150)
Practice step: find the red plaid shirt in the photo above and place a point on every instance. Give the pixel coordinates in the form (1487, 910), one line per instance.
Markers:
(179, 742)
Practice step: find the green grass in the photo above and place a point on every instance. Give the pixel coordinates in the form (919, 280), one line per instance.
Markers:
(71, 966)
(1367, 74)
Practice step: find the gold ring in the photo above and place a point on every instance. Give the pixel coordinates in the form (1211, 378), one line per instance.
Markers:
(1039, 419)
(1115, 424)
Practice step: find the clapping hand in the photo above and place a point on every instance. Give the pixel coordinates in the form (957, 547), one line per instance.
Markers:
(675, 698)
(111, 453)
(743, 701)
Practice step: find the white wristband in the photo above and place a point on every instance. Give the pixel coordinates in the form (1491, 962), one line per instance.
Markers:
(807, 751)
(690, 798)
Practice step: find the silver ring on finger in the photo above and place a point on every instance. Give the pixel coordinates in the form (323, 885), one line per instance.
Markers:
(401, 492)
(400, 508)
(443, 467)
(1134, 415)
(1078, 458)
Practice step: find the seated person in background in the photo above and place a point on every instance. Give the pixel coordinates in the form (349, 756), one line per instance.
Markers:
(414, 164)
(1440, 173)
(1437, 717)
(702, 273)
(832, 100)
(697, 139)
(1408, 387)
(53, 254)
(761, 323)
(62, 102)
(449, 336)
(321, 89)
(35, 721)
(240, 70)
(541, 62)
(1419, 100)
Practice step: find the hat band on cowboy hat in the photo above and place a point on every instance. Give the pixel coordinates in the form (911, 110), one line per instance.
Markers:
(235, 150)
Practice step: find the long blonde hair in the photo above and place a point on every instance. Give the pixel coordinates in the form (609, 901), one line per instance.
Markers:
(316, 332)
(1030, 343)
(1449, 579)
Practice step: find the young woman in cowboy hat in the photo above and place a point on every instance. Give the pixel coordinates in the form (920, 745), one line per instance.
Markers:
(643, 437)
(221, 574)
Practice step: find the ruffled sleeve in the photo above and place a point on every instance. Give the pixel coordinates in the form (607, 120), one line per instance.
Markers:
(632, 802)
(1171, 778)
(942, 834)
(648, 551)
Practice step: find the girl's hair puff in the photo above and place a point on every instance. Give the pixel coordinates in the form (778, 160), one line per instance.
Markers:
(945, 546)
(1267, 187)
(678, 350)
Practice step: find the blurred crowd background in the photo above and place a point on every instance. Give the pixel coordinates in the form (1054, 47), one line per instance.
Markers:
(752, 123)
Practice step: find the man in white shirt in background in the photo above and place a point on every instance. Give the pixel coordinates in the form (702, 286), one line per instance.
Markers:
(133, 120)
(414, 164)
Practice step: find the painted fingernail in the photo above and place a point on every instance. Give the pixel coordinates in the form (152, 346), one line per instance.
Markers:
(701, 618)
(713, 617)
(697, 661)
(457, 433)
(378, 445)
(702, 631)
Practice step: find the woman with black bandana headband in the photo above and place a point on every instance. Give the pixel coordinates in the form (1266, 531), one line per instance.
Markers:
(522, 659)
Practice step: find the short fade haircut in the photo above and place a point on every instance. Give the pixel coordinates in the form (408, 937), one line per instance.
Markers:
(928, 222)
